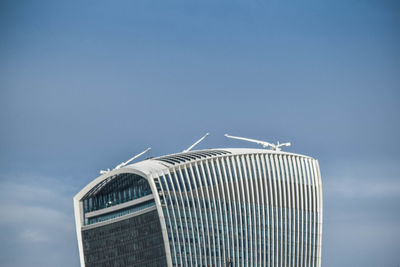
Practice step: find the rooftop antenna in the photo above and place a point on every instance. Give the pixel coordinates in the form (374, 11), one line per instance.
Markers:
(123, 164)
(275, 147)
(196, 143)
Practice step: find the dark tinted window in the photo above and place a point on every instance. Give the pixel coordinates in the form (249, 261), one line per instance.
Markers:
(136, 241)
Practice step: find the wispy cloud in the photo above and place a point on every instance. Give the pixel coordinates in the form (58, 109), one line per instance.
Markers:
(37, 218)
(363, 180)
(36, 215)
(363, 188)
(33, 236)
(361, 213)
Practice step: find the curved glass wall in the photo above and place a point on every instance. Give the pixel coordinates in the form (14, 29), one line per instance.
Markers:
(136, 241)
(116, 190)
(135, 238)
(120, 212)
(243, 210)
(251, 209)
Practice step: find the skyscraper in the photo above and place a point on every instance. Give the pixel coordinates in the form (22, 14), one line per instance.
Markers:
(215, 207)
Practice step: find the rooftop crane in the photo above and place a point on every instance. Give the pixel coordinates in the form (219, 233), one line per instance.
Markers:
(123, 164)
(196, 143)
(275, 147)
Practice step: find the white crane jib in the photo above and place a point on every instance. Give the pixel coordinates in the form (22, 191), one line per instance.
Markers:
(196, 143)
(276, 147)
(126, 162)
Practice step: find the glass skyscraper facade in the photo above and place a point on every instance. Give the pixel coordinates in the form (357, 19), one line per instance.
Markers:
(216, 207)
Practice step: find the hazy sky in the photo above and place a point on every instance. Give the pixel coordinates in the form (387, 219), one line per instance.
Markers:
(85, 85)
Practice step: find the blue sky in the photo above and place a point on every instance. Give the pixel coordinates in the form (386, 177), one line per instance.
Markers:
(84, 85)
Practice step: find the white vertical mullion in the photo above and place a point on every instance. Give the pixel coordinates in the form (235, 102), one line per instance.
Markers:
(189, 190)
(250, 196)
(279, 182)
(266, 233)
(238, 216)
(198, 174)
(277, 209)
(314, 211)
(273, 202)
(298, 210)
(308, 225)
(307, 212)
(246, 204)
(319, 210)
(275, 212)
(256, 171)
(252, 217)
(244, 243)
(214, 213)
(184, 221)
(161, 176)
(227, 202)
(292, 210)
(232, 215)
(221, 252)
(282, 174)
(211, 234)
(268, 203)
(198, 212)
(303, 211)
(176, 219)
(173, 221)
(256, 213)
(261, 208)
(287, 210)
(185, 199)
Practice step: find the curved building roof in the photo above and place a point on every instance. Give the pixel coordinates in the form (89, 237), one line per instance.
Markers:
(173, 160)
(153, 165)
(177, 176)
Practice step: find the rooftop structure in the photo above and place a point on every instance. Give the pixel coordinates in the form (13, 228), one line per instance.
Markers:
(213, 207)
